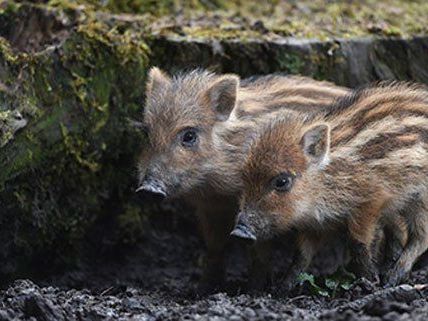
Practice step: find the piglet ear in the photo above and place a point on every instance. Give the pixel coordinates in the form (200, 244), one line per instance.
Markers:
(222, 95)
(156, 80)
(316, 144)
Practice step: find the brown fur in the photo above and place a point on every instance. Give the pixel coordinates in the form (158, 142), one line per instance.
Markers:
(369, 170)
(225, 114)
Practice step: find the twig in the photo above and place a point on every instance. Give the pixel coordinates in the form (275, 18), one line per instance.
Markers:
(402, 293)
(107, 290)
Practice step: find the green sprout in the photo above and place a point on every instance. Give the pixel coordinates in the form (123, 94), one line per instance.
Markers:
(329, 286)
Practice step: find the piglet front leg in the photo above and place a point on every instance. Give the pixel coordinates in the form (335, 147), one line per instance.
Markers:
(307, 246)
(216, 222)
(261, 266)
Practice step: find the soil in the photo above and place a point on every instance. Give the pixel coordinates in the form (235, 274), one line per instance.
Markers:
(157, 281)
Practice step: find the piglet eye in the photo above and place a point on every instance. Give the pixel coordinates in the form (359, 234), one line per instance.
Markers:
(189, 138)
(282, 182)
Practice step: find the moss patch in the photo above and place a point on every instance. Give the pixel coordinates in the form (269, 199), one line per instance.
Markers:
(237, 19)
(72, 164)
(317, 19)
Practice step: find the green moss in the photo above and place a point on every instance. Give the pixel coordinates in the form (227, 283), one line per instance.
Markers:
(155, 7)
(214, 33)
(75, 147)
(237, 19)
(62, 173)
(72, 5)
(291, 63)
(6, 52)
(9, 6)
(11, 121)
(309, 19)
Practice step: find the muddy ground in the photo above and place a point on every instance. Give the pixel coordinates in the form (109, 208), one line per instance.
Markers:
(156, 281)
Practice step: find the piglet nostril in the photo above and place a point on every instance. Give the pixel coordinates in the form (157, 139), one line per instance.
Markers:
(152, 189)
(243, 231)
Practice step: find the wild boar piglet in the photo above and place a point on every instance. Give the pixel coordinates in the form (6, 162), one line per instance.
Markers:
(361, 167)
(197, 124)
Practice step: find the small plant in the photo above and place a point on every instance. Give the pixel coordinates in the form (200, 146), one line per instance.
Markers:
(329, 286)
(309, 279)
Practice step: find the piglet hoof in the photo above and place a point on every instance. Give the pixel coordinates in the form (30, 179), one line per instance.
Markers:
(255, 286)
(204, 289)
(288, 288)
(365, 270)
(394, 277)
(258, 280)
(371, 275)
(207, 286)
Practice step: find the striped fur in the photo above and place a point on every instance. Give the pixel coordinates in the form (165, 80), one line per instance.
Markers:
(271, 93)
(362, 164)
(208, 174)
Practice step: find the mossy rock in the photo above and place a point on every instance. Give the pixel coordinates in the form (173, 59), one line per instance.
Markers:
(70, 162)
(348, 62)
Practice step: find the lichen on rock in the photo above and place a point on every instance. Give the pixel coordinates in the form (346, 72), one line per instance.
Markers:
(10, 122)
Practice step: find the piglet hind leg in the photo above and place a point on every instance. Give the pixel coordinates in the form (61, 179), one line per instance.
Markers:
(416, 245)
(394, 241)
(362, 234)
